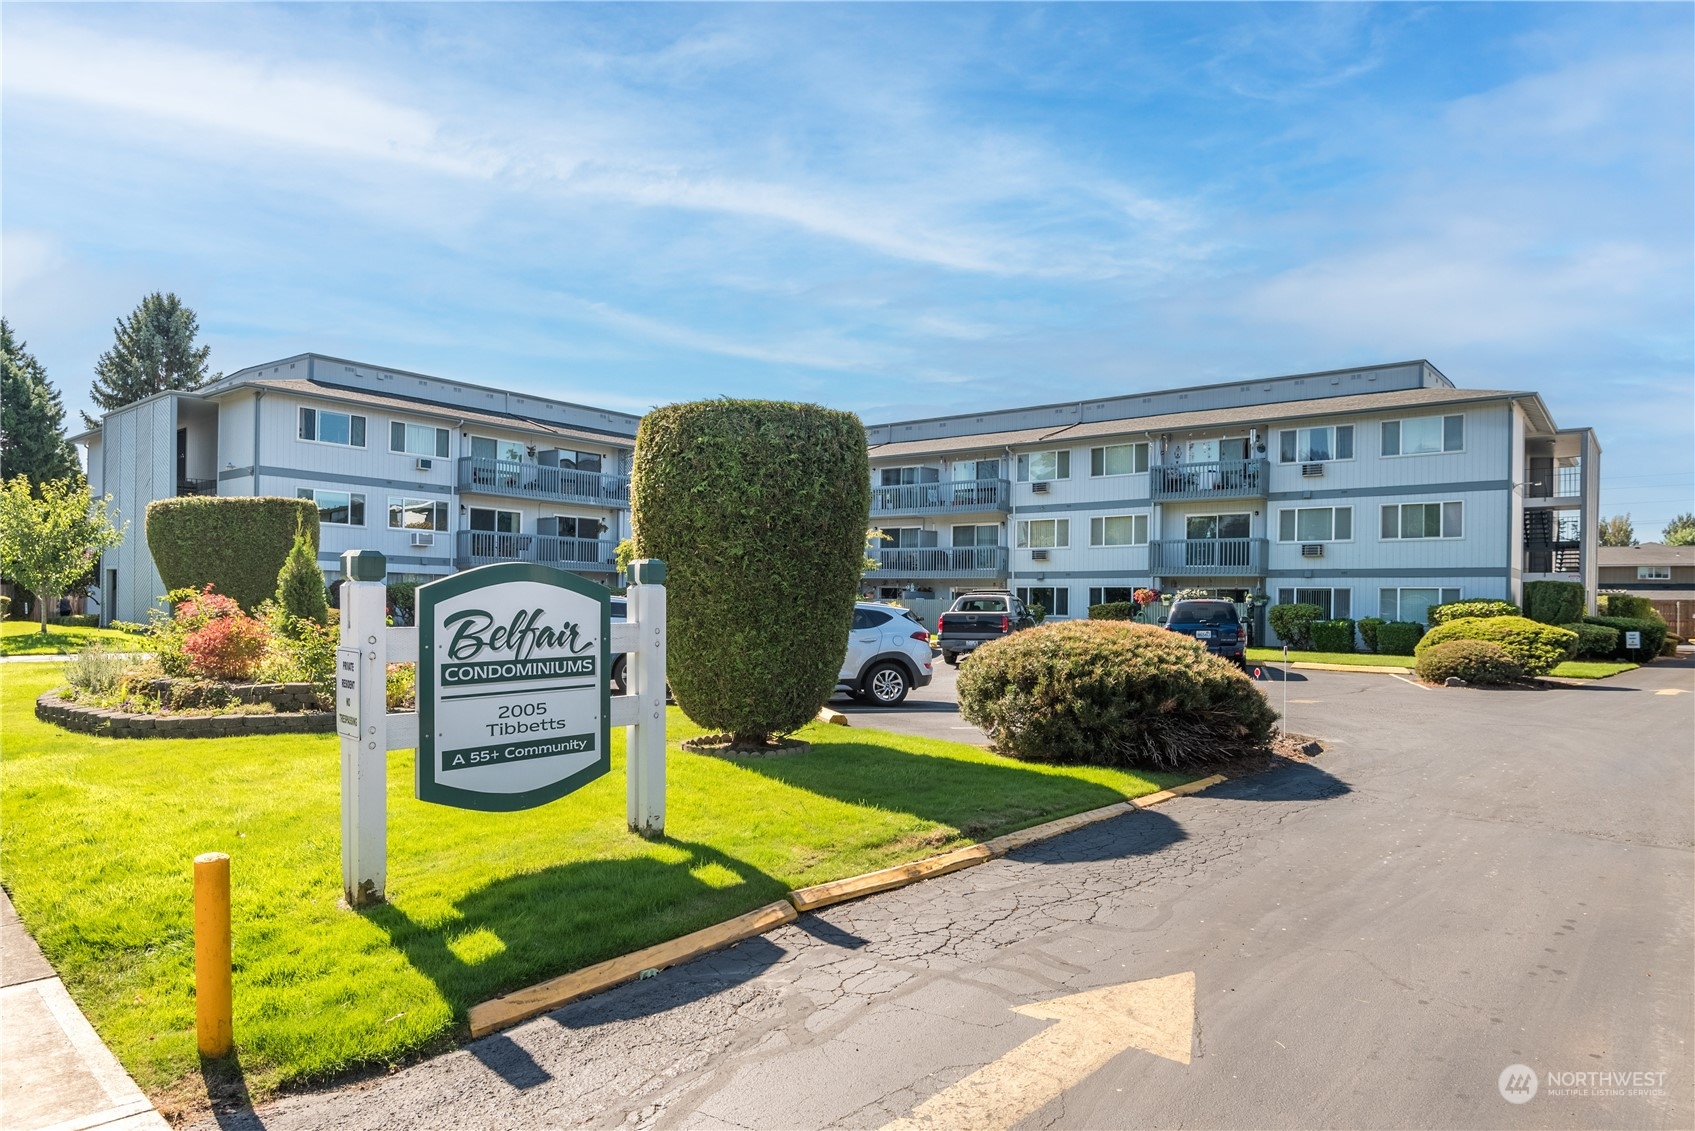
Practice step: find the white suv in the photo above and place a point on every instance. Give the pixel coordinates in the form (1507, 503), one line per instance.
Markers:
(888, 654)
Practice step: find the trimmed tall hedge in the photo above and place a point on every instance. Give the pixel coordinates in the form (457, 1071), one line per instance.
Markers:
(1368, 627)
(759, 510)
(1593, 640)
(1398, 637)
(1113, 610)
(1553, 602)
(1537, 648)
(1333, 635)
(236, 544)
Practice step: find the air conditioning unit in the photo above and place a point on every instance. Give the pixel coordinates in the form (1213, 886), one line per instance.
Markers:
(1309, 470)
(1312, 549)
(423, 538)
(1038, 555)
(1040, 488)
(426, 464)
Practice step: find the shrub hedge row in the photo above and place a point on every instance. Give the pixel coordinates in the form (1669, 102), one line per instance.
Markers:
(1333, 635)
(1653, 632)
(1475, 661)
(1459, 610)
(236, 544)
(1368, 627)
(1593, 640)
(1398, 637)
(1553, 602)
(1113, 610)
(1629, 605)
(1537, 648)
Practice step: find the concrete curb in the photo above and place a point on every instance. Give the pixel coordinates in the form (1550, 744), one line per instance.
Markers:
(521, 1005)
(1374, 669)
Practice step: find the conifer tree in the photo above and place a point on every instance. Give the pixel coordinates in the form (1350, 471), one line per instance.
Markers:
(32, 418)
(153, 350)
(300, 584)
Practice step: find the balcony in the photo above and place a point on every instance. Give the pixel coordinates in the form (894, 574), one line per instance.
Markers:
(1543, 482)
(197, 486)
(1207, 557)
(580, 555)
(1220, 479)
(961, 562)
(534, 481)
(954, 497)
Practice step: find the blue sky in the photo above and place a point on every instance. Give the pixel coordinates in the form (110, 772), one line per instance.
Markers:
(902, 210)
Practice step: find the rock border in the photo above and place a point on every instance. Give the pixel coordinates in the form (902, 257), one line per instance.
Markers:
(108, 723)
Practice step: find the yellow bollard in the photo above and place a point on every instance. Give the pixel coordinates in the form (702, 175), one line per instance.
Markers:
(212, 996)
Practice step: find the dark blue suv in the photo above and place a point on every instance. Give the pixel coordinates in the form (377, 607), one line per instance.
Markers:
(1215, 624)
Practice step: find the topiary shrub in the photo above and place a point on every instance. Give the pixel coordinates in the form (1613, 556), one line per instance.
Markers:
(1475, 661)
(1537, 648)
(1629, 605)
(1653, 636)
(1113, 610)
(1293, 623)
(1368, 627)
(300, 585)
(1333, 635)
(235, 544)
(1553, 602)
(1459, 610)
(753, 505)
(1111, 693)
(1593, 640)
(1398, 637)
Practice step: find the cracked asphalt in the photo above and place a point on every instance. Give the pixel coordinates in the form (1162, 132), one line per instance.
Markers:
(1465, 880)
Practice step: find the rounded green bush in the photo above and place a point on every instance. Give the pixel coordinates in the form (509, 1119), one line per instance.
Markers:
(1368, 627)
(1475, 661)
(235, 543)
(1595, 640)
(1111, 693)
(1293, 623)
(1537, 648)
(759, 510)
(1333, 635)
(1653, 629)
(1460, 610)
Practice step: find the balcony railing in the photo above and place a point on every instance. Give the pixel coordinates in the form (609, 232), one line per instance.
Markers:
(1564, 482)
(582, 555)
(959, 561)
(197, 486)
(1207, 557)
(955, 497)
(533, 481)
(1220, 479)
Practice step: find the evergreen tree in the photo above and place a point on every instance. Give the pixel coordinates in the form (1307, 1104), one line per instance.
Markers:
(1680, 531)
(154, 351)
(300, 584)
(32, 418)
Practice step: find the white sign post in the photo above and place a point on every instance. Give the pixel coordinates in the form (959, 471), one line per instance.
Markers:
(644, 745)
(364, 735)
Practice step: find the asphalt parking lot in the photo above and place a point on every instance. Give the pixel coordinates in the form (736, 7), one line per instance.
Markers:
(929, 712)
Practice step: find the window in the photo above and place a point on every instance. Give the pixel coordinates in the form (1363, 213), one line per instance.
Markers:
(976, 536)
(1118, 459)
(1412, 604)
(336, 508)
(1316, 524)
(906, 476)
(507, 451)
(1204, 527)
(1315, 445)
(579, 461)
(1040, 467)
(1336, 603)
(417, 440)
(1653, 573)
(325, 427)
(417, 514)
(969, 470)
(1423, 520)
(1056, 601)
(496, 522)
(1119, 530)
(1043, 533)
(569, 526)
(864, 619)
(1423, 435)
(1111, 595)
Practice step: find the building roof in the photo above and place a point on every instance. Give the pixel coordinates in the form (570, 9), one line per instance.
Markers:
(1213, 418)
(1648, 553)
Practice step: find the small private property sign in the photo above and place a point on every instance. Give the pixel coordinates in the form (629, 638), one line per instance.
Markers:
(514, 707)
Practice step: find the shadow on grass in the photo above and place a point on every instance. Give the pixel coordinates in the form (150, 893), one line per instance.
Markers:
(524, 929)
(226, 1091)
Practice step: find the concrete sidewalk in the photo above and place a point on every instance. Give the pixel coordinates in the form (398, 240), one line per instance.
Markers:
(55, 1074)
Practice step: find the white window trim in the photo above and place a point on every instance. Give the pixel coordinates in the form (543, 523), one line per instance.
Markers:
(1402, 421)
(364, 502)
(394, 451)
(1147, 458)
(1057, 545)
(1653, 573)
(1299, 428)
(1094, 545)
(299, 439)
(1441, 592)
(1029, 459)
(1295, 593)
(1296, 541)
(403, 500)
(1436, 538)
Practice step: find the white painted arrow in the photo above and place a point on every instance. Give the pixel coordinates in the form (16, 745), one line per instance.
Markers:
(1156, 1015)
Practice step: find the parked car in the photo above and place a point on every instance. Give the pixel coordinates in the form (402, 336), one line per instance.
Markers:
(888, 654)
(977, 618)
(620, 611)
(1214, 623)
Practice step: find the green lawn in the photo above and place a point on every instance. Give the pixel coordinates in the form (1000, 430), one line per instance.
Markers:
(1571, 669)
(24, 638)
(100, 834)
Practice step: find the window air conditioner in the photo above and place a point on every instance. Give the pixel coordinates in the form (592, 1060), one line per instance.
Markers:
(1309, 470)
(426, 464)
(1038, 555)
(1312, 549)
(1039, 488)
(423, 538)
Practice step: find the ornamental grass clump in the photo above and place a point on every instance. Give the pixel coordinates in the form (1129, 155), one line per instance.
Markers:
(1112, 693)
(1475, 661)
(1537, 648)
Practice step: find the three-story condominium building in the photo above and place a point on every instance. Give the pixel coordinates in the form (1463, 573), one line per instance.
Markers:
(1376, 491)
(439, 475)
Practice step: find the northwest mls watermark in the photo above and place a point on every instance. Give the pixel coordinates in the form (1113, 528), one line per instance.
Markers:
(1519, 1083)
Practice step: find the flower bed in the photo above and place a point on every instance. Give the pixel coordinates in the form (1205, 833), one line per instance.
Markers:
(111, 723)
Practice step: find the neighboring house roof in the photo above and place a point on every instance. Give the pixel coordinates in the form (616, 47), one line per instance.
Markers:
(1279, 412)
(1648, 553)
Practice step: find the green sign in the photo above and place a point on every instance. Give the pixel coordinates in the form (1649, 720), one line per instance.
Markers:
(514, 708)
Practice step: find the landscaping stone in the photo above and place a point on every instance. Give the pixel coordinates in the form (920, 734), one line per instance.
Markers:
(120, 724)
